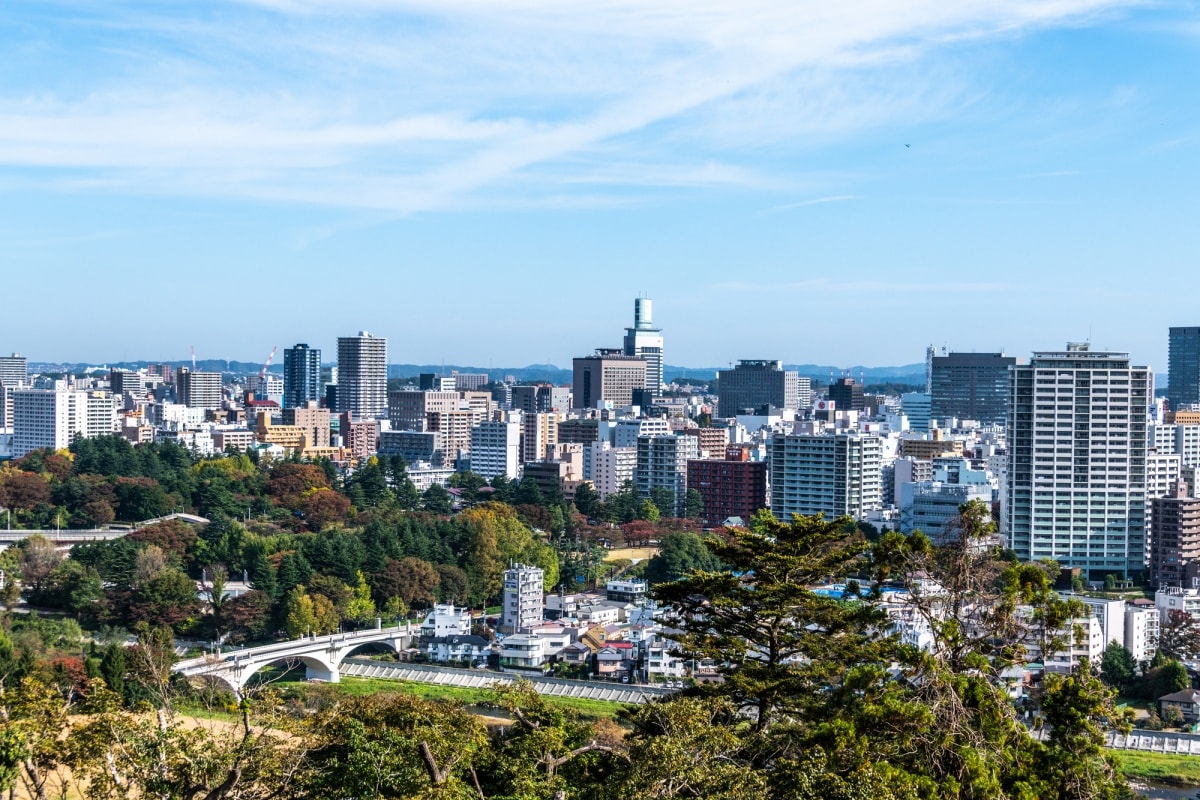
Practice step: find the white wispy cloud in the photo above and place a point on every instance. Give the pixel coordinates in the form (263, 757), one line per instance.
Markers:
(816, 201)
(409, 105)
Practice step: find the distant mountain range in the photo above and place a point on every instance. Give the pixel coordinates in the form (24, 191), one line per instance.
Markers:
(910, 373)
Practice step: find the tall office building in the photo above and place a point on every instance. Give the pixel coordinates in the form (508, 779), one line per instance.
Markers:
(540, 398)
(1076, 484)
(752, 384)
(198, 389)
(1183, 366)
(970, 386)
(14, 370)
(830, 474)
(524, 599)
(362, 375)
(847, 395)
(646, 341)
(301, 376)
(608, 376)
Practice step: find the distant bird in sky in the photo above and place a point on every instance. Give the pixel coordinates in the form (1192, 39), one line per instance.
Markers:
(908, 145)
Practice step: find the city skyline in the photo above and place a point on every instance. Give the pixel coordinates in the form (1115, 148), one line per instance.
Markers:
(535, 168)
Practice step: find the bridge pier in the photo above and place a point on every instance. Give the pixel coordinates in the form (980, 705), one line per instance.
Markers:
(313, 672)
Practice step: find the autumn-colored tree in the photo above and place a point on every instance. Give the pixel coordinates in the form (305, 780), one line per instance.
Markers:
(290, 481)
(24, 491)
(323, 507)
(414, 581)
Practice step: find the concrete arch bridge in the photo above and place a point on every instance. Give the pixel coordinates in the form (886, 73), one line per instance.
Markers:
(322, 656)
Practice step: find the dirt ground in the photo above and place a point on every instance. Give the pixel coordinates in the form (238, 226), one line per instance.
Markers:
(634, 554)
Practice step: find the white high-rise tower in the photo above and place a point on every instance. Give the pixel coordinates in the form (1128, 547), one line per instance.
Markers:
(1076, 484)
(646, 341)
(362, 375)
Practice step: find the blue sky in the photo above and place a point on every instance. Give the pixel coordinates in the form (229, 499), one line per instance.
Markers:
(494, 181)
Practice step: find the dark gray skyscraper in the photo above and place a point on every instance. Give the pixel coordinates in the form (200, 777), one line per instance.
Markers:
(752, 384)
(1183, 364)
(970, 386)
(301, 376)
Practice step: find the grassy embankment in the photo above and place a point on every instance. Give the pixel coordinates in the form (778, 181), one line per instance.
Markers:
(588, 709)
(1165, 768)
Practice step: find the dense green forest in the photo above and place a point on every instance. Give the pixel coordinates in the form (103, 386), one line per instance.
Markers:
(320, 551)
(818, 701)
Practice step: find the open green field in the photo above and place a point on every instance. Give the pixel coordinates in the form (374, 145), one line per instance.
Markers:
(1166, 768)
(591, 709)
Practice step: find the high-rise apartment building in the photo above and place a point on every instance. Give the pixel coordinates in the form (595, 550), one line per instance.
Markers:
(608, 468)
(970, 386)
(730, 487)
(830, 474)
(1175, 539)
(644, 340)
(53, 418)
(662, 463)
(302, 376)
(1183, 367)
(753, 384)
(538, 431)
(524, 599)
(313, 419)
(14, 370)
(1076, 472)
(362, 375)
(198, 389)
(608, 376)
(496, 449)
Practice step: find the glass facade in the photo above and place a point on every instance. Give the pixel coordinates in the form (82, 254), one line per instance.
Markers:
(1183, 364)
(970, 386)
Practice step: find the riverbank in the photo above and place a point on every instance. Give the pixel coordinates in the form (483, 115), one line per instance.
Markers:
(1160, 768)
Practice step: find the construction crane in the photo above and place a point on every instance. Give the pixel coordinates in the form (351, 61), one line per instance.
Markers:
(262, 376)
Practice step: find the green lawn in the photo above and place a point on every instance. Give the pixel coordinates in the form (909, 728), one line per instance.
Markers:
(591, 709)
(1168, 768)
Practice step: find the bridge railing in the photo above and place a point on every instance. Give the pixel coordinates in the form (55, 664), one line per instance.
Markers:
(298, 646)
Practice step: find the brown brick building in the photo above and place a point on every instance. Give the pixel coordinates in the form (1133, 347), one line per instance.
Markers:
(1175, 538)
(733, 487)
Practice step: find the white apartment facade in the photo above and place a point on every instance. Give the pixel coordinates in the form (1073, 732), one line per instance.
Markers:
(830, 474)
(662, 464)
(523, 603)
(52, 418)
(496, 449)
(1077, 441)
(611, 467)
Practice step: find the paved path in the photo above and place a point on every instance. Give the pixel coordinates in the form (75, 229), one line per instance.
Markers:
(480, 679)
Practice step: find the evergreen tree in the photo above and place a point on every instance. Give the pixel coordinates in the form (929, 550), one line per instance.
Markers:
(436, 500)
